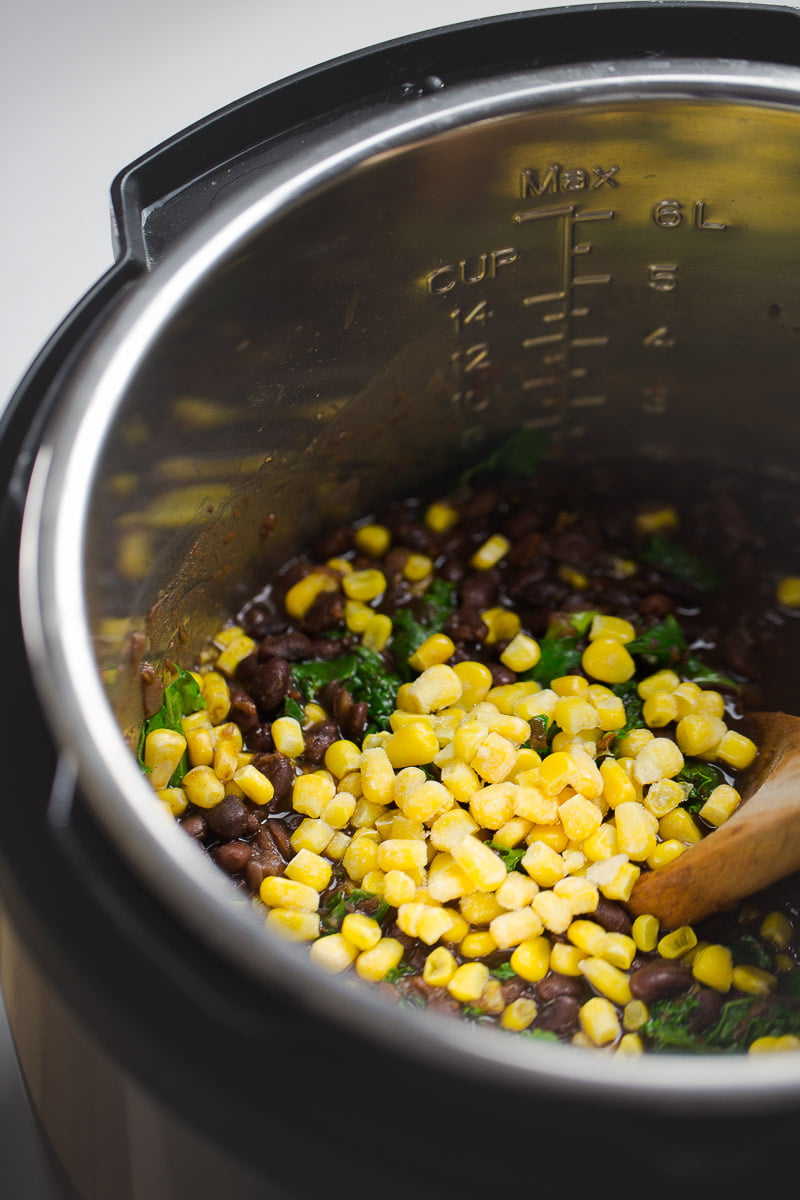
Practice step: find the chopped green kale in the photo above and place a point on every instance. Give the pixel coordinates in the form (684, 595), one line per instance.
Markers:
(675, 560)
(410, 630)
(181, 697)
(511, 857)
(741, 1021)
(365, 675)
(703, 777)
(662, 645)
(292, 709)
(704, 676)
(399, 972)
(504, 971)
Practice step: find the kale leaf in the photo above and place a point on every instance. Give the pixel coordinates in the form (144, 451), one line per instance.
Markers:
(703, 777)
(662, 645)
(181, 697)
(561, 647)
(512, 857)
(365, 675)
(410, 630)
(741, 1021)
(675, 560)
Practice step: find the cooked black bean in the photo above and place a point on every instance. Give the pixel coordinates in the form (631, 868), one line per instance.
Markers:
(293, 646)
(664, 977)
(269, 684)
(229, 819)
(612, 916)
(232, 856)
(317, 739)
(194, 823)
(279, 771)
(559, 1016)
(554, 985)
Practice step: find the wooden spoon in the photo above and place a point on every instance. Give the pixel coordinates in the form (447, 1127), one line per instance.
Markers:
(758, 845)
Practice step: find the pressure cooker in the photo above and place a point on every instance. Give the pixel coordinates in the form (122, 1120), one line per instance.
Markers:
(582, 221)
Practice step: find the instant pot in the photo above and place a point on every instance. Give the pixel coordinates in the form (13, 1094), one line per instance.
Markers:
(340, 289)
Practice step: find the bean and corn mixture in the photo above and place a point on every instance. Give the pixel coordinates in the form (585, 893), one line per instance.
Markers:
(441, 749)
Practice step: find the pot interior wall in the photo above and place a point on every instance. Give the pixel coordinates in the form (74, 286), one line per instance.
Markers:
(620, 275)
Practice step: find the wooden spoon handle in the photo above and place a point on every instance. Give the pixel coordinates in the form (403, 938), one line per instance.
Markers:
(758, 845)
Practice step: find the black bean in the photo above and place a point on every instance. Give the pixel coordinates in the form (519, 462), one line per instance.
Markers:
(259, 622)
(465, 624)
(278, 770)
(317, 739)
(229, 819)
(325, 613)
(709, 1006)
(265, 859)
(269, 684)
(194, 823)
(560, 1016)
(662, 978)
(611, 916)
(501, 674)
(260, 740)
(335, 543)
(243, 710)
(554, 985)
(479, 590)
(152, 690)
(355, 723)
(280, 836)
(231, 856)
(292, 646)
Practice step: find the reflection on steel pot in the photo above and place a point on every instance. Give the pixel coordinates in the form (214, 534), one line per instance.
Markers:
(580, 221)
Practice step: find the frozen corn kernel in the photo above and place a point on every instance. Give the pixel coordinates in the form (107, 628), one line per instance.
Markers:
(441, 516)
(636, 830)
(510, 834)
(493, 550)
(337, 845)
(199, 745)
(417, 567)
(495, 758)
(476, 681)
(711, 703)
(501, 624)
(398, 888)
(362, 930)
(656, 520)
(493, 806)
(622, 884)
(680, 825)
(485, 869)
(360, 857)
(610, 709)
(357, 615)
(660, 709)
(645, 932)
(479, 908)
(293, 924)
(607, 659)
(659, 681)
(566, 959)
(699, 734)
(301, 595)
(676, 943)
(686, 696)
(450, 828)
(217, 696)
(468, 981)
(601, 844)
(311, 869)
(599, 1021)
(543, 864)
(534, 805)
(278, 892)
(413, 745)
(663, 796)
(665, 852)
(574, 714)
(478, 943)
(660, 759)
(569, 685)
(435, 649)
(522, 653)
(516, 891)
(163, 751)
(377, 776)
(203, 788)
(436, 688)
(554, 911)
(607, 979)
(768, 1044)
(618, 788)
(511, 928)
(460, 780)
(720, 805)
(579, 892)
(446, 880)
(339, 809)
(588, 936)
(440, 967)
(373, 540)
(375, 964)
(612, 628)
(342, 757)
(754, 980)
(519, 1014)
(311, 793)
(579, 817)
(174, 800)
(531, 959)
(364, 585)
(403, 854)
(736, 750)
(287, 735)
(377, 632)
(333, 953)
(713, 967)
(619, 950)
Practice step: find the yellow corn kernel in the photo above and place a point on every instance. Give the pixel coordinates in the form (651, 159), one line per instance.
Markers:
(412, 745)
(607, 979)
(665, 852)
(619, 950)
(484, 868)
(516, 891)
(777, 928)
(363, 931)
(377, 776)
(645, 932)
(436, 688)
(531, 804)
(342, 565)
(302, 594)
(373, 882)
(754, 981)
(656, 520)
(611, 628)
(203, 788)
(311, 869)
(288, 736)
(555, 772)
(365, 814)
(493, 806)
(711, 703)
(543, 864)
(699, 734)
(574, 714)
(365, 585)
(660, 709)
(511, 928)
(680, 825)
(254, 784)
(435, 649)
(769, 1044)
(575, 579)
(477, 944)
(460, 779)
(375, 964)
(566, 960)
(398, 888)
(635, 1014)
(549, 835)
(788, 591)
(338, 843)
(357, 615)
(531, 959)
(373, 540)
(427, 802)
(338, 810)
(663, 796)
(228, 745)
(636, 830)
(609, 708)
(579, 817)
(360, 857)
(311, 793)
(510, 834)
(660, 681)
(458, 929)
(522, 653)
(377, 632)
(519, 1014)
(293, 924)
(599, 1021)
(515, 729)
(417, 567)
(403, 854)
(607, 659)
(446, 880)
(277, 892)
(199, 745)
(342, 757)
(539, 703)
(495, 758)
(686, 696)
(622, 883)
(440, 967)
(736, 750)
(618, 788)
(720, 805)
(493, 550)
(175, 800)
(713, 966)
(660, 759)
(568, 685)
(554, 911)
(588, 936)
(501, 623)
(163, 751)
(476, 680)
(333, 953)
(216, 695)
(239, 648)
(450, 828)
(468, 982)
(676, 943)
(313, 834)
(601, 844)
(441, 516)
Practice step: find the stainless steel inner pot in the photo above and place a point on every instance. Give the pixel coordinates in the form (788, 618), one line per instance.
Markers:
(609, 253)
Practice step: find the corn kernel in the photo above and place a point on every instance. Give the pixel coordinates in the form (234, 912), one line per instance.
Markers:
(566, 960)
(533, 805)
(711, 703)
(311, 793)
(676, 943)
(435, 649)
(607, 979)
(468, 982)
(342, 757)
(441, 516)
(377, 632)
(436, 688)
(540, 703)
(599, 1021)
(660, 681)
(450, 828)
(531, 959)
(339, 809)
(240, 648)
(736, 750)
(754, 981)
(635, 1014)
(493, 550)
(617, 786)
(588, 936)
(619, 950)
(612, 628)
(483, 867)
(777, 928)
(579, 817)
(375, 964)
(403, 854)
(446, 880)
(660, 709)
(360, 857)
(788, 591)
(413, 745)
(543, 864)
(663, 796)
(357, 615)
(601, 844)
(713, 966)
(293, 924)
(519, 1014)
(554, 911)
(665, 852)
(522, 653)
(301, 595)
(478, 943)
(660, 759)
(163, 751)
(311, 869)
(610, 709)
(364, 585)
(656, 520)
(277, 892)
(699, 734)
(636, 830)
(495, 758)
(373, 540)
(549, 835)
(501, 624)
(622, 884)
(338, 844)
(203, 788)
(174, 799)
(439, 968)
(516, 891)
(476, 680)
(768, 1044)
(199, 745)
(632, 744)
(511, 928)
(607, 659)
(363, 931)
(288, 737)
(333, 953)
(680, 825)
(645, 932)
(720, 805)
(569, 685)
(417, 567)
(686, 696)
